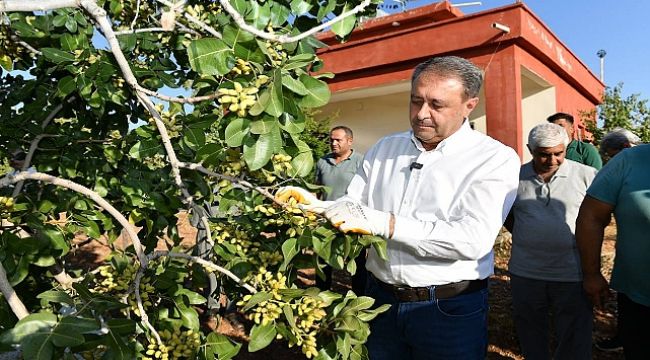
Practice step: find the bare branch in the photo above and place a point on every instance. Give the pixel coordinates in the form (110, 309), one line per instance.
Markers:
(154, 29)
(239, 19)
(17, 40)
(10, 295)
(99, 15)
(100, 201)
(205, 263)
(189, 100)
(194, 20)
(41, 5)
(232, 179)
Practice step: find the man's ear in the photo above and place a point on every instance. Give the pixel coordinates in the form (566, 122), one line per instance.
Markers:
(470, 105)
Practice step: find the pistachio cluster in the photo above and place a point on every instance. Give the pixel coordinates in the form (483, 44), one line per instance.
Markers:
(293, 216)
(6, 204)
(307, 311)
(179, 344)
(236, 237)
(239, 98)
(110, 281)
(9, 50)
(173, 125)
(275, 50)
(241, 67)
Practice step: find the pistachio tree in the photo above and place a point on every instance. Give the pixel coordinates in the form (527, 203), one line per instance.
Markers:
(116, 116)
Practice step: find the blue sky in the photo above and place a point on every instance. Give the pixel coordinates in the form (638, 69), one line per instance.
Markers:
(586, 26)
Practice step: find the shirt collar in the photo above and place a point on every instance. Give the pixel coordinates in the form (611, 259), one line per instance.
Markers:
(455, 142)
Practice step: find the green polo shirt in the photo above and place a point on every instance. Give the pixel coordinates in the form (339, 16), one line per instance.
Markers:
(337, 176)
(624, 183)
(584, 153)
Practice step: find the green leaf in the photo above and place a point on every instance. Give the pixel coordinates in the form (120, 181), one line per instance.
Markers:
(193, 298)
(343, 345)
(209, 154)
(57, 56)
(257, 298)
(263, 125)
(261, 336)
(298, 61)
(70, 42)
(294, 85)
(275, 106)
(145, 148)
(345, 26)
(291, 124)
(368, 315)
(210, 56)
(258, 152)
(302, 163)
(56, 296)
(189, 316)
(318, 92)
(236, 131)
(233, 35)
(290, 249)
(31, 324)
(326, 10)
(380, 247)
(65, 86)
(71, 24)
(222, 346)
(37, 347)
(194, 138)
(360, 303)
(299, 7)
(55, 238)
(121, 326)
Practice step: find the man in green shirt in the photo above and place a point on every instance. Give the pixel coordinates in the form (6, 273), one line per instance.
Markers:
(335, 170)
(579, 151)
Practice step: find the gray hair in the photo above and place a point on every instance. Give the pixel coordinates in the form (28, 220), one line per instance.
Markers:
(618, 139)
(452, 67)
(547, 135)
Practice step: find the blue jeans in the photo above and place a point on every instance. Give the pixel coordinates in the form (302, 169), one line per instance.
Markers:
(454, 328)
(534, 300)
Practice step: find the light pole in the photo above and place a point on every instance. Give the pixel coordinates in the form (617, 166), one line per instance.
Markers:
(601, 54)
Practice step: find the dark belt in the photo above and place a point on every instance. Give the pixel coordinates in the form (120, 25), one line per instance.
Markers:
(405, 293)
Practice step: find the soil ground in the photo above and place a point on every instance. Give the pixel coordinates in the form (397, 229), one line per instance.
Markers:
(502, 338)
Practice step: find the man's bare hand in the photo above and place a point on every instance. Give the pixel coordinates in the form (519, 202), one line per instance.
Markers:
(596, 288)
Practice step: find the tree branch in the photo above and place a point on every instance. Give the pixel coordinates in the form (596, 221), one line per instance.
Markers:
(10, 295)
(100, 201)
(191, 18)
(99, 15)
(41, 5)
(189, 100)
(239, 20)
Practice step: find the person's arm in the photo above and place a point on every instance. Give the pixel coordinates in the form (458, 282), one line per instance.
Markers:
(593, 217)
(591, 156)
(509, 224)
(470, 233)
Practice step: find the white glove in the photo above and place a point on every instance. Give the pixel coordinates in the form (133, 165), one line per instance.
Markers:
(352, 217)
(303, 199)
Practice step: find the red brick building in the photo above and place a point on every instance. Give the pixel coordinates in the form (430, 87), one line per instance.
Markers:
(529, 72)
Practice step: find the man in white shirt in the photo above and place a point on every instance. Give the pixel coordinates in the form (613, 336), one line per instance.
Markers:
(439, 194)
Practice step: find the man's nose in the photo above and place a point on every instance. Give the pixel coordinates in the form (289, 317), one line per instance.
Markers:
(423, 112)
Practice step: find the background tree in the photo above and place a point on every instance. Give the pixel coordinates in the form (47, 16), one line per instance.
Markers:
(630, 113)
(110, 153)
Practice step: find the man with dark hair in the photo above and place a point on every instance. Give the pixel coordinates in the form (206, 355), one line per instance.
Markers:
(579, 151)
(439, 195)
(335, 170)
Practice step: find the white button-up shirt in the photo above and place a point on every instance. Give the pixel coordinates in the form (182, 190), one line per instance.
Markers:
(447, 213)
